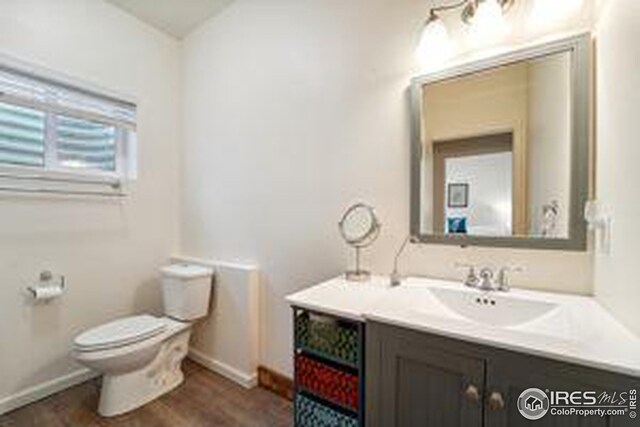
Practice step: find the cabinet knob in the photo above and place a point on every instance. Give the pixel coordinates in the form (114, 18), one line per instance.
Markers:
(472, 393)
(496, 401)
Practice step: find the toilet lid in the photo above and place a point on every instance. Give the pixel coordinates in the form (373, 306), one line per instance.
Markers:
(186, 271)
(119, 333)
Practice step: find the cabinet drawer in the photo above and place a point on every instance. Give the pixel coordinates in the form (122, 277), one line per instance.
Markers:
(328, 337)
(310, 413)
(329, 383)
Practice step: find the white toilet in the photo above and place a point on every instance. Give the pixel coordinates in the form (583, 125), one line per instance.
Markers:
(140, 357)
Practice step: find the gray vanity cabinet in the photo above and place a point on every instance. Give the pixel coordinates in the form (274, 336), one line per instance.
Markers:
(509, 374)
(426, 383)
(415, 379)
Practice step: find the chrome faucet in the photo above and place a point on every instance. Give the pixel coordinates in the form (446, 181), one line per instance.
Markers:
(485, 279)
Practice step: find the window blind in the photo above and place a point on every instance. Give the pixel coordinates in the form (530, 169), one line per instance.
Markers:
(85, 144)
(55, 126)
(58, 97)
(21, 135)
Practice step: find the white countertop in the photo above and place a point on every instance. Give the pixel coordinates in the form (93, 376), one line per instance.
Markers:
(578, 331)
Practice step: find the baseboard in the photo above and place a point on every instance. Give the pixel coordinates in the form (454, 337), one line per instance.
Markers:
(233, 374)
(45, 389)
(275, 382)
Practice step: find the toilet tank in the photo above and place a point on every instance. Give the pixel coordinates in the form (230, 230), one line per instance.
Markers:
(186, 290)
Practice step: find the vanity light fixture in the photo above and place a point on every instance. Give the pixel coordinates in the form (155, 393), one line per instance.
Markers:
(435, 37)
(434, 41)
(474, 8)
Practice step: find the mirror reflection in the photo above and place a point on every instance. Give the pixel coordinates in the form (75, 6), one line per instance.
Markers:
(497, 151)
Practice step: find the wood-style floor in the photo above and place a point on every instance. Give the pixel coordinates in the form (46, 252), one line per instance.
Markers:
(204, 400)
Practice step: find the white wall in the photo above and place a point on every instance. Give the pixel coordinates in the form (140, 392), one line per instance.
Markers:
(549, 146)
(295, 109)
(109, 250)
(616, 274)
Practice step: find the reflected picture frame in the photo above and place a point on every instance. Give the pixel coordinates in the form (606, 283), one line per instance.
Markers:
(458, 195)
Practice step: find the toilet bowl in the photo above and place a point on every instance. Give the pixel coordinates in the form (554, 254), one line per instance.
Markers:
(140, 356)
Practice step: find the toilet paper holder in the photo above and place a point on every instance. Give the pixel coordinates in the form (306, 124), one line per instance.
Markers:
(46, 289)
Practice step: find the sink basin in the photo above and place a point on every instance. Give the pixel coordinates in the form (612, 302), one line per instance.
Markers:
(492, 308)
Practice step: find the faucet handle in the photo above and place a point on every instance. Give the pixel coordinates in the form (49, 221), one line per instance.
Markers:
(471, 279)
(486, 273)
(486, 279)
(504, 280)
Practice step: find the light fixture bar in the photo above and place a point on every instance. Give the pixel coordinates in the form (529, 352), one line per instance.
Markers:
(469, 10)
(453, 6)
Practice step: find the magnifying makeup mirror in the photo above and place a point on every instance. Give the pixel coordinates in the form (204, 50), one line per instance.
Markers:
(359, 227)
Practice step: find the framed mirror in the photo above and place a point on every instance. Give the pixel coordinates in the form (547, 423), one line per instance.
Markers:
(500, 150)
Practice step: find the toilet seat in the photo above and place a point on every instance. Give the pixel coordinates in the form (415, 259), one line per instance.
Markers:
(120, 333)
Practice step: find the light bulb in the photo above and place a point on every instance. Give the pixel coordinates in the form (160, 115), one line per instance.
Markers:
(488, 23)
(435, 46)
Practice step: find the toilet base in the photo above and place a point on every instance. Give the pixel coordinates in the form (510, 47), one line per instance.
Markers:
(125, 392)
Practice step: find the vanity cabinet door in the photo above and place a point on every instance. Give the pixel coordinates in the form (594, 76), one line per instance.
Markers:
(508, 375)
(412, 383)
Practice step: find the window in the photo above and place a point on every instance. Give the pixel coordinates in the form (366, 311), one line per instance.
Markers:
(53, 128)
